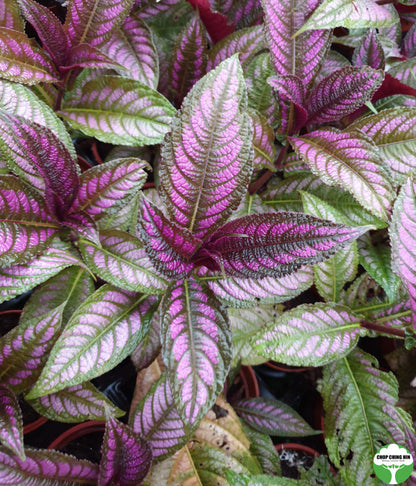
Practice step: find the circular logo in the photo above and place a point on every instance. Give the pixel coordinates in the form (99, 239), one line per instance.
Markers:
(393, 464)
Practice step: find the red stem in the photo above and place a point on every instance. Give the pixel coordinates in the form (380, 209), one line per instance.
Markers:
(383, 329)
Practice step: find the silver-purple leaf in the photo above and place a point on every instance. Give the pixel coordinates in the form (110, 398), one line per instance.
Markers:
(309, 335)
(86, 56)
(122, 261)
(404, 71)
(157, 420)
(149, 347)
(272, 417)
(11, 422)
(169, 247)
(196, 347)
(82, 225)
(369, 52)
(45, 468)
(263, 142)
(10, 16)
(240, 14)
(350, 160)
(274, 245)
(125, 456)
(409, 42)
(342, 92)
(206, 160)
(24, 350)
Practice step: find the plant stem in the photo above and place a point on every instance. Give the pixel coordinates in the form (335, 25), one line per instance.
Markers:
(384, 2)
(383, 329)
(268, 174)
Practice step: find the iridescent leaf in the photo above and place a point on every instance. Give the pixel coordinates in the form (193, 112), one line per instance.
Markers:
(275, 245)
(45, 468)
(106, 188)
(369, 52)
(119, 110)
(263, 142)
(24, 350)
(25, 227)
(409, 42)
(125, 457)
(86, 56)
(93, 21)
(10, 16)
(241, 14)
(350, 160)
(11, 422)
(309, 335)
(149, 347)
(100, 334)
(133, 47)
(188, 62)
(122, 261)
(342, 92)
(196, 347)
(206, 160)
(333, 62)
(75, 404)
(82, 225)
(157, 420)
(272, 417)
(22, 61)
(404, 71)
(168, 246)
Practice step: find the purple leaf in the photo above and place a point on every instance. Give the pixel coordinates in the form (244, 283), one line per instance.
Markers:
(240, 14)
(84, 55)
(403, 243)
(272, 417)
(333, 62)
(196, 347)
(369, 52)
(101, 333)
(26, 228)
(37, 155)
(105, 188)
(342, 92)
(43, 467)
(409, 42)
(132, 46)
(263, 142)
(157, 420)
(206, 160)
(404, 72)
(352, 161)
(24, 350)
(11, 422)
(122, 261)
(83, 225)
(10, 16)
(93, 21)
(49, 29)
(125, 457)
(169, 247)
(275, 245)
(301, 56)
(149, 347)
(188, 62)
(23, 62)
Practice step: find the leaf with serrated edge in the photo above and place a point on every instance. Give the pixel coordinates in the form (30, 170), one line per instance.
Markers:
(206, 160)
(101, 333)
(369, 52)
(309, 335)
(157, 420)
(196, 347)
(125, 457)
(10, 16)
(24, 349)
(350, 160)
(122, 261)
(133, 47)
(45, 468)
(11, 422)
(75, 404)
(272, 417)
(120, 111)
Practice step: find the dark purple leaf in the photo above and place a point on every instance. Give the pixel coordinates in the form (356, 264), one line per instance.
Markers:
(11, 422)
(84, 55)
(83, 225)
(274, 245)
(409, 42)
(369, 52)
(125, 457)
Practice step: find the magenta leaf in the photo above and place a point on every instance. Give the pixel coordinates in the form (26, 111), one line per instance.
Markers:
(37, 155)
(121, 260)
(342, 92)
(169, 247)
(10, 16)
(196, 347)
(125, 457)
(157, 420)
(11, 422)
(275, 245)
(188, 63)
(207, 158)
(24, 350)
(26, 228)
(86, 56)
(272, 417)
(44, 467)
(22, 61)
(369, 52)
(100, 334)
(93, 21)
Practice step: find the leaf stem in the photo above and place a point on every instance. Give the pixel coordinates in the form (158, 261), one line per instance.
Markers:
(372, 326)
(268, 174)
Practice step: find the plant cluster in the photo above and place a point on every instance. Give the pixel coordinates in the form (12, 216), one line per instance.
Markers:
(166, 192)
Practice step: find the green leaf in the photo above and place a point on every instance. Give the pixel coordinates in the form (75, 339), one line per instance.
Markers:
(404, 71)
(262, 480)
(263, 449)
(263, 142)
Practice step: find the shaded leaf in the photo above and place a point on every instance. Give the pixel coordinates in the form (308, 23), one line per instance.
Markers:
(263, 142)
(263, 449)
(404, 71)
(262, 480)
(409, 42)
(86, 56)
(149, 347)
(369, 52)
(11, 422)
